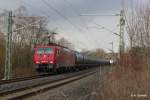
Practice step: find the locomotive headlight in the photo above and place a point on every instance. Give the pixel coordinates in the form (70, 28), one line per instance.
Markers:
(51, 62)
(111, 61)
(37, 62)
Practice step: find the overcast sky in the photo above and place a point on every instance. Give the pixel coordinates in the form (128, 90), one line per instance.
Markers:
(82, 31)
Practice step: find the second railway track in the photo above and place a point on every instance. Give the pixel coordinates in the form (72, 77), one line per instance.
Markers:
(25, 89)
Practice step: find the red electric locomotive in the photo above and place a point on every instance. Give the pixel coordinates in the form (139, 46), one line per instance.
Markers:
(53, 57)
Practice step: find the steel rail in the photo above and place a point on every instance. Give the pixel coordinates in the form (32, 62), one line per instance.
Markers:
(54, 83)
(22, 79)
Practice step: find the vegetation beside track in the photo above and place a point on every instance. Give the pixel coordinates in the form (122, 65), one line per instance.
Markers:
(23, 43)
(124, 82)
(22, 91)
(130, 79)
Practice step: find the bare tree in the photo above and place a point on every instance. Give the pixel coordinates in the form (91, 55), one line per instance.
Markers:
(139, 27)
(96, 53)
(66, 43)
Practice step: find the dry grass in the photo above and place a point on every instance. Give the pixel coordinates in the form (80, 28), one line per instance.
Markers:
(129, 82)
(23, 72)
(20, 72)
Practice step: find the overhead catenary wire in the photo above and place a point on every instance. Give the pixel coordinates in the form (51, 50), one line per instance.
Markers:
(75, 11)
(48, 5)
(43, 12)
(59, 13)
(25, 26)
(47, 14)
(103, 27)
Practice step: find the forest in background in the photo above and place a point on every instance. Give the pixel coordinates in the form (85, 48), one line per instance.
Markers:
(29, 31)
(130, 79)
(131, 76)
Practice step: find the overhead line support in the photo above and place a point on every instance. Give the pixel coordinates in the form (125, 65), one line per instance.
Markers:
(8, 49)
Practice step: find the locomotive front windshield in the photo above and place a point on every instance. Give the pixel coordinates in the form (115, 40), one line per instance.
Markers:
(44, 50)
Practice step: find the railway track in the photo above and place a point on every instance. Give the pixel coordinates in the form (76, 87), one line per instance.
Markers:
(23, 89)
(22, 79)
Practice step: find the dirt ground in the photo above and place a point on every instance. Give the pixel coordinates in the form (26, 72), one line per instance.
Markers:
(83, 89)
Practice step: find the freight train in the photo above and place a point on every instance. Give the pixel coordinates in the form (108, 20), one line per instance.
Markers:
(54, 57)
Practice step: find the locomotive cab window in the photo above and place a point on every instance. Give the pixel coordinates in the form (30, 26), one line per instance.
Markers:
(44, 50)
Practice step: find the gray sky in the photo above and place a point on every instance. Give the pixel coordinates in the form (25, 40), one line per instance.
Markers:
(80, 30)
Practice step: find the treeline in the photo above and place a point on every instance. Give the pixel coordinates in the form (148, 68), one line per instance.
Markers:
(138, 29)
(28, 31)
(97, 53)
(131, 78)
